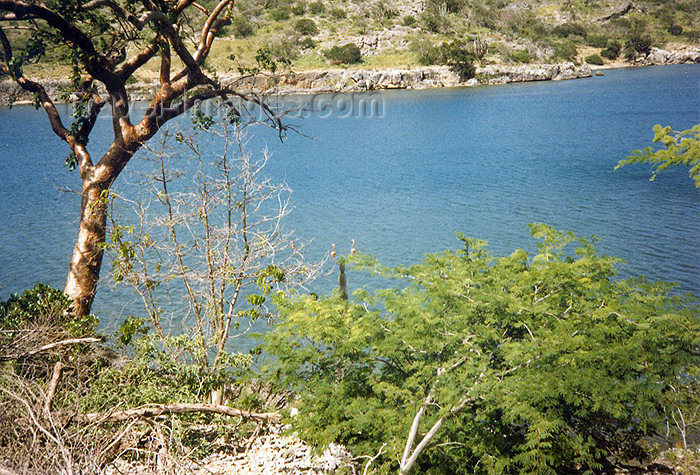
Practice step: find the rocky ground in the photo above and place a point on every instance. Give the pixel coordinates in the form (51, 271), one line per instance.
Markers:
(270, 453)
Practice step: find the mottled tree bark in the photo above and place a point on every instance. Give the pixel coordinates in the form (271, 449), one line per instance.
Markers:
(84, 271)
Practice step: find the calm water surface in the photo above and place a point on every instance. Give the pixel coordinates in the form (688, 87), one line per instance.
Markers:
(484, 161)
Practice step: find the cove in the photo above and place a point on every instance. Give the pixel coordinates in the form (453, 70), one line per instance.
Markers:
(484, 161)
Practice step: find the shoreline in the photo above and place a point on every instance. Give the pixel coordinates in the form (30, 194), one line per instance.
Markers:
(330, 81)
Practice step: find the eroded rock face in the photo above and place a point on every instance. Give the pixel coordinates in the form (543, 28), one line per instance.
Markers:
(504, 74)
(656, 56)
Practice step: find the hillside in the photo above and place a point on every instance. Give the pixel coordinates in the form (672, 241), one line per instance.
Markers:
(306, 35)
(401, 33)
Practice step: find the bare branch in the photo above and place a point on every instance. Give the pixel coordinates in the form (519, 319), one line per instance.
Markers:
(162, 409)
(50, 346)
(53, 385)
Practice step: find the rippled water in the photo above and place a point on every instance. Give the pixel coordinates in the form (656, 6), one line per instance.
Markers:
(484, 161)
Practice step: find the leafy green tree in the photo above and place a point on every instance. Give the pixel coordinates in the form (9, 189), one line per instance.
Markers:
(482, 364)
(679, 148)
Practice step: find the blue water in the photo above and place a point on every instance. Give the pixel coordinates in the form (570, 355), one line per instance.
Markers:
(484, 161)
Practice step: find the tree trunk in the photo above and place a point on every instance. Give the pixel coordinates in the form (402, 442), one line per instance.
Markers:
(85, 265)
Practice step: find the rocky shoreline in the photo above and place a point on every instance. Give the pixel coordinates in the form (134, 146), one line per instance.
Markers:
(357, 80)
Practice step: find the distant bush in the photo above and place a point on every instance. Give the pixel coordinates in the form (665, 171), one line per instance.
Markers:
(569, 29)
(280, 13)
(306, 27)
(317, 8)
(637, 44)
(408, 20)
(349, 53)
(242, 27)
(338, 13)
(565, 51)
(299, 8)
(612, 50)
(307, 43)
(597, 41)
(425, 52)
(458, 56)
(435, 18)
(594, 59)
(675, 30)
(520, 56)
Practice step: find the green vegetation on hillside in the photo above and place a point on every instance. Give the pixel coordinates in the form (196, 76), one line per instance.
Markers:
(517, 32)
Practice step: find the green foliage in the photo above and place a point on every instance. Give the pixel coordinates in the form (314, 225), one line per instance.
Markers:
(594, 59)
(435, 18)
(307, 43)
(273, 57)
(299, 8)
(130, 327)
(533, 365)
(338, 13)
(47, 303)
(569, 29)
(40, 299)
(163, 371)
(306, 27)
(637, 44)
(317, 8)
(349, 53)
(565, 51)
(455, 54)
(425, 51)
(597, 41)
(280, 13)
(679, 148)
(675, 30)
(408, 20)
(242, 27)
(612, 50)
(520, 56)
(458, 56)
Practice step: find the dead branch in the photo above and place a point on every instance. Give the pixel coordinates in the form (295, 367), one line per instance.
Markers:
(72, 341)
(185, 408)
(53, 384)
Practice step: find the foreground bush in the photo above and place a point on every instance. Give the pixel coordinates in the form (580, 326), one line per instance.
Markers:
(482, 364)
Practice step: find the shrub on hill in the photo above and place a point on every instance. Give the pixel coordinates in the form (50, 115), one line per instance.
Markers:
(408, 20)
(317, 8)
(242, 27)
(349, 53)
(569, 29)
(306, 27)
(594, 59)
(280, 13)
(338, 13)
(597, 41)
(612, 50)
(520, 56)
(299, 8)
(565, 51)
